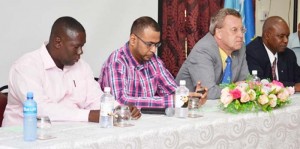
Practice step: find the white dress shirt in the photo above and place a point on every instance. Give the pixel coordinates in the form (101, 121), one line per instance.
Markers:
(272, 58)
(294, 44)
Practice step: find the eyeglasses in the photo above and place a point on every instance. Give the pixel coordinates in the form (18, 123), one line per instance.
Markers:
(235, 30)
(149, 44)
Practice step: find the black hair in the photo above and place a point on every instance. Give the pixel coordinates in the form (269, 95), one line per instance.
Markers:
(141, 23)
(64, 23)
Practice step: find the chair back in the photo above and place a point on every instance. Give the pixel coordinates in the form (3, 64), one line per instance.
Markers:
(3, 102)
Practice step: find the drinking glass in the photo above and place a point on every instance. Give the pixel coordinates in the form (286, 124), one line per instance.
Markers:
(193, 106)
(122, 116)
(181, 112)
(44, 128)
(170, 111)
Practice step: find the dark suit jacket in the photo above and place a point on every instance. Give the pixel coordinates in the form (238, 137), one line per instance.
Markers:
(258, 59)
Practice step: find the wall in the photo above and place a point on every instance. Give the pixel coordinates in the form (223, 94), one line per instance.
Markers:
(26, 24)
(283, 8)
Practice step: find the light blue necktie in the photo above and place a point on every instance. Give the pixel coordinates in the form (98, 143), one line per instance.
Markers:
(227, 72)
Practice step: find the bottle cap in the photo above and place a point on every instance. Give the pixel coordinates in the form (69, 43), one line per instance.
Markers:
(182, 82)
(29, 95)
(107, 89)
(254, 72)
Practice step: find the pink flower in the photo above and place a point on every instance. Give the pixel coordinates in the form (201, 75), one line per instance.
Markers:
(236, 93)
(226, 97)
(270, 94)
(244, 97)
(275, 88)
(263, 99)
(291, 90)
(277, 83)
(266, 89)
(283, 95)
(273, 100)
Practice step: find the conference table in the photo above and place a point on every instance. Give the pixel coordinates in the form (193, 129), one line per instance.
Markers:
(215, 129)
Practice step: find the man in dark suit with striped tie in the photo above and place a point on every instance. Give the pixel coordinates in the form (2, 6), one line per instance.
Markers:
(270, 56)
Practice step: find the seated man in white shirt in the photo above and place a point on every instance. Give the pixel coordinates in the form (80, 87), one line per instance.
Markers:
(294, 43)
(63, 84)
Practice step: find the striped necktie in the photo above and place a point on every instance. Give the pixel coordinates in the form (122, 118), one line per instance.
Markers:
(274, 69)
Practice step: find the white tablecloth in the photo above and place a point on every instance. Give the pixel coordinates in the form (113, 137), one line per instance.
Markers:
(216, 129)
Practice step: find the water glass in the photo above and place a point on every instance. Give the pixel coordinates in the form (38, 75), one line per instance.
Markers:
(193, 107)
(181, 112)
(44, 128)
(122, 116)
(170, 111)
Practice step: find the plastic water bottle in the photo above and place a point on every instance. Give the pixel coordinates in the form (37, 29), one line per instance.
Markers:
(106, 109)
(181, 97)
(30, 119)
(255, 78)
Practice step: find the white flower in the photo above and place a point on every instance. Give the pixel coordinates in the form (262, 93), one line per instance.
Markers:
(283, 95)
(252, 94)
(273, 100)
(263, 99)
(264, 82)
(226, 97)
(276, 86)
(243, 85)
(291, 90)
(244, 97)
(225, 90)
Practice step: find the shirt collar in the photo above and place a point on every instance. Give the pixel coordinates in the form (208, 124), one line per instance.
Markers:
(271, 55)
(132, 60)
(46, 58)
(223, 57)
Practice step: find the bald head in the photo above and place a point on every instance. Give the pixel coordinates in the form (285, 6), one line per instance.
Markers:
(275, 34)
(272, 22)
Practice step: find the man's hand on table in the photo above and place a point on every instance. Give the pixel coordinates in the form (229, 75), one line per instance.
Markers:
(200, 92)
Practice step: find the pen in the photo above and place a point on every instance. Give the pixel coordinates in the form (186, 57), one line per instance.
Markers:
(74, 83)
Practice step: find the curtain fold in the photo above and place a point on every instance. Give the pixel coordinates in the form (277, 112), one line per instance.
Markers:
(183, 23)
(173, 34)
(198, 19)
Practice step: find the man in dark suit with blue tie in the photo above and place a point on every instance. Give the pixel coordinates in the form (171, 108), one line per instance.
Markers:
(270, 56)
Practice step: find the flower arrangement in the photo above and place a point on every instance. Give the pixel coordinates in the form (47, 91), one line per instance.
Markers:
(249, 96)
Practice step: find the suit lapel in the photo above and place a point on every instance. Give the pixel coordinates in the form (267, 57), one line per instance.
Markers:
(266, 66)
(281, 68)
